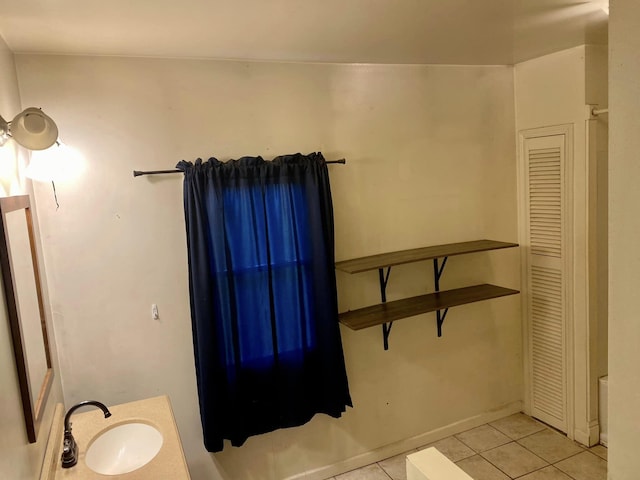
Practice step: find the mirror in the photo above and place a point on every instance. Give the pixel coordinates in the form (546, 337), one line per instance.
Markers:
(25, 308)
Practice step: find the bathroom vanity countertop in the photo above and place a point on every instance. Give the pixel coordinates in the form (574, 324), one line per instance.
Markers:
(169, 463)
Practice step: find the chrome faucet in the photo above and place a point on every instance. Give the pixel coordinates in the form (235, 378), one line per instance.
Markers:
(70, 448)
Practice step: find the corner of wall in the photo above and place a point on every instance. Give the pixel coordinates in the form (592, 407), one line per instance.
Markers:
(596, 75)
(19, 459)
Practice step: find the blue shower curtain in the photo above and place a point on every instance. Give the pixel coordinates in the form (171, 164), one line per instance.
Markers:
(264, 313)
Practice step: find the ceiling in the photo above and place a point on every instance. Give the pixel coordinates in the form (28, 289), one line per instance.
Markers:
(465, 32)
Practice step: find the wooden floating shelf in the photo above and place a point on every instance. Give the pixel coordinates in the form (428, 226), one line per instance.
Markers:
(386, 313)
(409, 307)
(374, 262)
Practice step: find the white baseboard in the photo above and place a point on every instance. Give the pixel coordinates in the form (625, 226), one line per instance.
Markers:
(604, 439)
(397, 448)
(590, 438)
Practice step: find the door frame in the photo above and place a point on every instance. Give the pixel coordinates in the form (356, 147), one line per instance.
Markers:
(567, 131)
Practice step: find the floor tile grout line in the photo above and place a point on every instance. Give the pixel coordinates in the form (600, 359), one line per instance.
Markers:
(513, 441)
(519, 438)
(579, 453)
(583, 449)
(554, 465)
(533, 453)
(468, 446)
(537, 470)
(576, 454)
(382, 468)
(478, 452)
(494, 465)
(537, 422)
(384, 471)
(469, 456)
(567, 473)
(548, 464)
(491, 463)
(544, 428)
(563, 435)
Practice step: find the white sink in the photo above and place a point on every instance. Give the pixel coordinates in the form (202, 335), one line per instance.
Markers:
(123, 448)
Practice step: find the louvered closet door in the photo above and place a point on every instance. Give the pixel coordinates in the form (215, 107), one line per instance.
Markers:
(544, 172)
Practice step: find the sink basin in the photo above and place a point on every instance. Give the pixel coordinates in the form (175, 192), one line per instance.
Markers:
(123, 448)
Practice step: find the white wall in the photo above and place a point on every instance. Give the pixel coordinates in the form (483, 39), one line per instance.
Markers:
(554, 90)
(19, 459)
(598, 132)
(624, 235)
(12, 158)
(597, 94)
(430, 159)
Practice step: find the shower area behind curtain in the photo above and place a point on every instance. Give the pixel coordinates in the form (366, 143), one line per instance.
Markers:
(263, 295)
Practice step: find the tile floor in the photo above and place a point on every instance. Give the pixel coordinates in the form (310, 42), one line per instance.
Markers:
(512, 447)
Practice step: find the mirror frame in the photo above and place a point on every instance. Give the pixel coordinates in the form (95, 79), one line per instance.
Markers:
(32, 413)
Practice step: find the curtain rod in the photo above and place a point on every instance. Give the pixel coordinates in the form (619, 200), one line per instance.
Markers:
(137, 173)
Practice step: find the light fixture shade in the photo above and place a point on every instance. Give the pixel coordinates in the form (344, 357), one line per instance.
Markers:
(33, 129)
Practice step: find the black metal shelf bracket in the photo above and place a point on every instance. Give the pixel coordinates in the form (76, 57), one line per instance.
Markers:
(386, 327)
(437, 273)
(438, 269)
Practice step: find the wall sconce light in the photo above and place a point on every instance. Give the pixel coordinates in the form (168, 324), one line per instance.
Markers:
(31, 128)
(34, 130)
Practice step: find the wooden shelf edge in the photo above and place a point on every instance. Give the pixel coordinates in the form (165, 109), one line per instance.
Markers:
(410, 307)
(373, 262)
